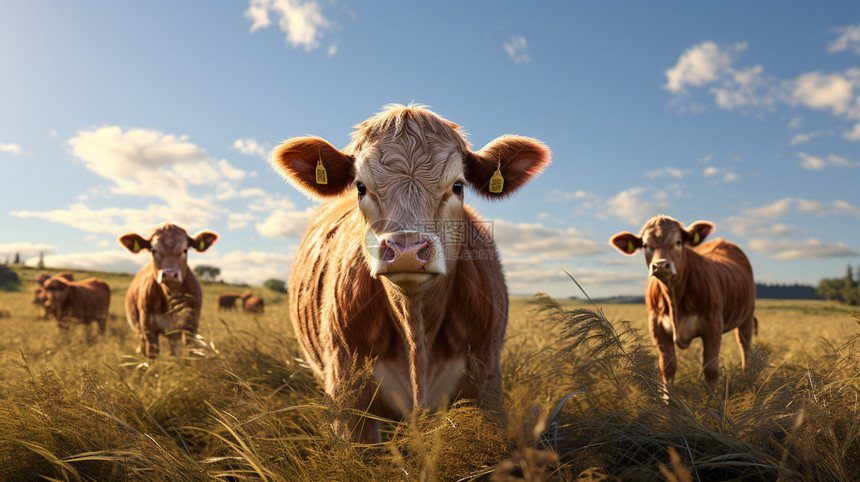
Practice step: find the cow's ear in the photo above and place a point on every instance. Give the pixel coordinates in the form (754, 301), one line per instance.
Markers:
(505, 164)
(697, 232)
(202, 240)
(626, 242)
(134, 242)
(314, 167)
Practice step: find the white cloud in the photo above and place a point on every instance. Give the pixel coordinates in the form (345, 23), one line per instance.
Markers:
(116, 261)
(667, 171)
(10, 148)
(517, 49)
(149, 163)
(726, 175)
(24, 249)
(253, 267)
(813, 163)
(809, 249)
(285, 223)
(773, 210)
(804, 137)
(629, 206)
(527, 239)
(239, 220)
(301, 21)
(251, 147)
(701, 64)
(819, 91)
(780, 208)
(115, 220)
(332, 50)
(750, 226)
(849, 39)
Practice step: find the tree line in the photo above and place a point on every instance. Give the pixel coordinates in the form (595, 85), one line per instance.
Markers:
(845, 289)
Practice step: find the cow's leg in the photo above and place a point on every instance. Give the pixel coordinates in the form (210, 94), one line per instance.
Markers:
(665, 355)
(711, 359)
(744, 335)
(102, 324)
(149, 344)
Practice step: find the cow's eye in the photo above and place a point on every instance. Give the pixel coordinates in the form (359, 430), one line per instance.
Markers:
(362, 190)
(457, 189)
(644, 246)
(152, 251)
(678, 242)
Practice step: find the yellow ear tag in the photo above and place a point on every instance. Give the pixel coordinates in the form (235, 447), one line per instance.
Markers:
(630, 247)
(201, 246)
(696, 238)
(497, 182)
(136, 247)
(322, 175)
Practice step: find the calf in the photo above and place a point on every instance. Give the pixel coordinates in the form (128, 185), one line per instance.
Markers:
(694, 290)
(164, 298)
(227, 301)
(40, 296)
(86, 301)
(395, 270)
(252, 303)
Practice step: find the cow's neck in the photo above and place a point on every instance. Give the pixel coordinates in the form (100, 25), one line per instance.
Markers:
(676, 289)
(418, 316)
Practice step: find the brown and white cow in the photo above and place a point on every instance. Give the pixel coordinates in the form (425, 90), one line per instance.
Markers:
(164, 298)
(251, 303)
(694, 290)
(395, 268)
(86, 301)
(227, 301)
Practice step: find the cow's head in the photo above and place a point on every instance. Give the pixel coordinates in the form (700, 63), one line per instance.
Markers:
(407, 169)
(56, 292)
(664, 240)
(169, 245)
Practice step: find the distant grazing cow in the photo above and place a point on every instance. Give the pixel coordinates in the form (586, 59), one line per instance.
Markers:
(396, 269)
(694, 290)
(164, 298)
(86, 301)
(227, 301)
(252, 303)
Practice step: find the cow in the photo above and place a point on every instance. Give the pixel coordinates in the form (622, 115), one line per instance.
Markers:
(164, 298)
(40, 296)
(395, 271)
(252, 303)
(227, 301)
(694, 290)
(86, 301)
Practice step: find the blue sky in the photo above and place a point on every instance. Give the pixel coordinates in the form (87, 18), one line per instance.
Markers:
(117, 116)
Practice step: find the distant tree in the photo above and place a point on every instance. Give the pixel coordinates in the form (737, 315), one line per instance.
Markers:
(41, 264)
(209, 273)
(849, 288)
(17, 258)
(277, 285)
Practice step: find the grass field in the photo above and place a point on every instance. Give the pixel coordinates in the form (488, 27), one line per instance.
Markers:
(581, 398)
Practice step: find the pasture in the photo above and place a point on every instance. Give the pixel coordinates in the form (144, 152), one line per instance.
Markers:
(580, 391)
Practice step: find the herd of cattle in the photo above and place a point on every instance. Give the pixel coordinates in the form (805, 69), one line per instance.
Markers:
(396, 273)
(163, 299)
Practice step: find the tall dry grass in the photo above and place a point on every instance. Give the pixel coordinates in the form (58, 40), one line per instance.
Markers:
(582, 401)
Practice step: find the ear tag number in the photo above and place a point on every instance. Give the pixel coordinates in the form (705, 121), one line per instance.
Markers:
(630, 247)
(136, 247)
(322, 175)
(497, 182)
(696, 238)
(202, 246)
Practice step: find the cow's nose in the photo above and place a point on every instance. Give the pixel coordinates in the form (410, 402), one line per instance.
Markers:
(660, 265)
(169, 275)
(405, 252)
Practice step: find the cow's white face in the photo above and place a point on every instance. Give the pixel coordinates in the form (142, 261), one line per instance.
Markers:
(410, 193)
(408, 168)
(168, 245)
(663, 240)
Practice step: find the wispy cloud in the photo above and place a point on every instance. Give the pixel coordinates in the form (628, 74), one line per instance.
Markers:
(517, 49)
(251, 147)
(631, 206)
(809, 249)
(780, 208)
(24, 249)
(523, 239)
(849, 39)
(10, 148)
(285, 223)
(667, 171)
(804, 137)
(813, 163)
(724, 174)
(302, 21)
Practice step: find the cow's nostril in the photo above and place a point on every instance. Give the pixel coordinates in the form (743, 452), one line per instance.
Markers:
(387, 253)
(423, 253)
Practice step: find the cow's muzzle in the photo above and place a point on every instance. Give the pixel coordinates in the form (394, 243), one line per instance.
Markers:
(405, 252)
(662, 269)
(169, 276)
